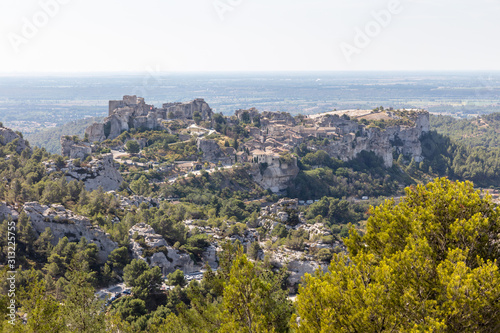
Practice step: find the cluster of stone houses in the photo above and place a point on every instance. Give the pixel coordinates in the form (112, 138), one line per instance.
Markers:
(279, 133)
(337, 134)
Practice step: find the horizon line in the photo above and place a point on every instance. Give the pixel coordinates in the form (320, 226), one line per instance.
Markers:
(125, 73)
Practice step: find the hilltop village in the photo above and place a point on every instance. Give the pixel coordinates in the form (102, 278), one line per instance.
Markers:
(266, 139)
(142, 155)
(153, 199)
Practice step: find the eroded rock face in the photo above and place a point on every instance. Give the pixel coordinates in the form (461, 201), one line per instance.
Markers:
(75, 149)
(400, 139)
(126, 203)
(8, 136)
(298, 268)
(133, 112)
(210, 257)
(211, 151)
(250, 114)
(276, 177)
(6, 211)
(186, 110)
(100, 172)
(65, 223)
(95, 132)
(168, 260)
(297, 264)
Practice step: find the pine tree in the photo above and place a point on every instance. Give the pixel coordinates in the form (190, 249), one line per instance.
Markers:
(83, 312)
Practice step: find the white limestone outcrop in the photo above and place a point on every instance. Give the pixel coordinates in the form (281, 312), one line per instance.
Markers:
(65, 223)
(167, 258)
(98, 173)
(7, 136)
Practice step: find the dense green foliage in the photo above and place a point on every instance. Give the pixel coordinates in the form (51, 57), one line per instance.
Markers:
(233, 183)
(241, 296)
(426, 264)
(482, 131)
(322, 175)
(447, 158)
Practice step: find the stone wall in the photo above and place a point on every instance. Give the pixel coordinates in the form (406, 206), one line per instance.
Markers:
(252, 113)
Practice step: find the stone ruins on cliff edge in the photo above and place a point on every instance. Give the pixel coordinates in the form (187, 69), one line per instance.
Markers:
(133, 112)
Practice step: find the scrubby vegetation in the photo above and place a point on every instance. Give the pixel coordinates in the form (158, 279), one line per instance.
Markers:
(426, 264)
(425, 261)
(482, 131)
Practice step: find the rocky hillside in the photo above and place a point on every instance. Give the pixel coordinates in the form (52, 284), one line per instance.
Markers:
(152, 199)
(480, 131)
(50, 138)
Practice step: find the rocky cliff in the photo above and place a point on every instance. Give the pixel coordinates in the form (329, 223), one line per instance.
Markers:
(276, 177)
(133, 112)
(7, 136)
(63, 223)
(98, 172)
(74, 148)
(212, 152)
(187, 110)
(401, 139)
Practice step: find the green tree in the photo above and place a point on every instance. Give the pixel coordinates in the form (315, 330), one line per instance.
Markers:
(59, 160)
(425, 264)
(43, 245)
(148, 284)
(132, 147)
(412, 166)
(44, 314)
(235, 143)
(253, 300)
(119, 258)
(130, 309)
(133, 270)
(254, 250)
(400, 160)
(82, 309)
(176, 278)
(245, 117)
(197, 117)
(140, 186)
(324, 255)
(256, 121)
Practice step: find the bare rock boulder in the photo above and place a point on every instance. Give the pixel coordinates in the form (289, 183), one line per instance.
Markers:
(7, 136)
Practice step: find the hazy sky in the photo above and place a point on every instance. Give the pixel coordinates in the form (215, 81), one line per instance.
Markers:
(248, 35)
